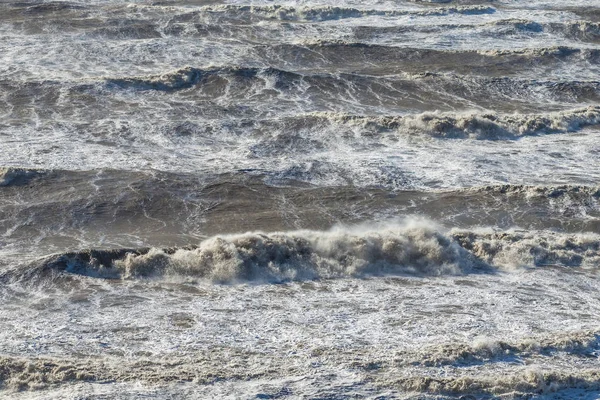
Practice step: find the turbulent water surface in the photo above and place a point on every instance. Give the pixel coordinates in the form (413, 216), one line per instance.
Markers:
(300, 199)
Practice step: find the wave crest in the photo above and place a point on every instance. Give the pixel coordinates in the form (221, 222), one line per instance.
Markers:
(532, 249)
(476, 125)
(276, 257)
(188, 77)
(16, 176)
(327, 13)
(579, 343)
(414, 248)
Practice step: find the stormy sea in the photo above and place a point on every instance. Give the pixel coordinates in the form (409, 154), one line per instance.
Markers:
(312, 199)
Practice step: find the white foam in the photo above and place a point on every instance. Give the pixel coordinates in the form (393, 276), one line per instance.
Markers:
(346, 336)
(330, 333)
(389, 160)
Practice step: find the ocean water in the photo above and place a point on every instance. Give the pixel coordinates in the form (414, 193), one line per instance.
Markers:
(300, 199)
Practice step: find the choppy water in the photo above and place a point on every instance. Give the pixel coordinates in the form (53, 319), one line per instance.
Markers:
(310, 199)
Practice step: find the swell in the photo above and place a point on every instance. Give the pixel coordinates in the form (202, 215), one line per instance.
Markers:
(379, 59)
(449, 86)
(589, 14)
(415, 247)
(584, 31)
(35, 8)
(269, 89)
(148, 21)
(538, 191)
(581, 31)
(357, 59)
(342, 56)
(242, 13)
(556, 52)
(168, 209)
(207, 24)
(325, 13)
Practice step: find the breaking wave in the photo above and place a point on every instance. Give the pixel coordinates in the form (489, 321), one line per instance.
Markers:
(475, 124)
(586, 344)
(478, 125)
(413, 247)
(276, 257)
(16, 176)
(188, 77)
(485, 126)
(525, 249)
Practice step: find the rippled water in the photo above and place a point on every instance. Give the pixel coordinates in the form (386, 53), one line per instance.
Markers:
(309, 199)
